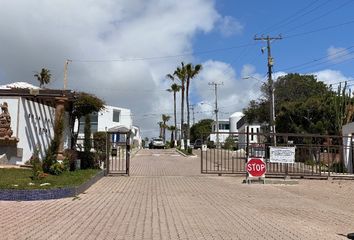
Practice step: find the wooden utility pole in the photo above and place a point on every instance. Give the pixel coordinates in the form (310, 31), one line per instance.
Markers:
(270, 83)
(216, 111)
(66, 73)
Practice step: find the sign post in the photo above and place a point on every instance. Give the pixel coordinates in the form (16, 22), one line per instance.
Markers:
(256, 168)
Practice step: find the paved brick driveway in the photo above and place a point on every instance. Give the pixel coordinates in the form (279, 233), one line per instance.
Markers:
(166, 198)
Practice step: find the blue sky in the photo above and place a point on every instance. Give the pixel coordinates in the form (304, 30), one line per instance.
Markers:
(259, 16)
(113, 44)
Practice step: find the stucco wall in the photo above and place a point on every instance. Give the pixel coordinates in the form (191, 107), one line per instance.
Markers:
(32, 123)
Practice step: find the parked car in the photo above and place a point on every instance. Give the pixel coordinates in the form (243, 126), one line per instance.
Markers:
(198, 144)
(157, 143)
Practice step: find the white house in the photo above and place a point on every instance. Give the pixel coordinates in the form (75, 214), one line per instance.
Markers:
(224, 131)
(243, 127)
(32, 111)
(108, 118)
(348, 144)
(226, 127)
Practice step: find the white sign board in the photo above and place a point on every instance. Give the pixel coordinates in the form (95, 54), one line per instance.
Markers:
(204, 148)
(282, 154)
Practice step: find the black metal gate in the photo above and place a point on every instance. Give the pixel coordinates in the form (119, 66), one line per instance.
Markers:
(118, 151)
(315, 155)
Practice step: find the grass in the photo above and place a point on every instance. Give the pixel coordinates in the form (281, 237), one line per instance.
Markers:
(11, 178)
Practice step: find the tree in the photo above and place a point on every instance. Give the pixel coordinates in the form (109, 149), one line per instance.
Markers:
(83, 105)
(161, 131)
(192, 72)
(172, 129)
(165, 118)
(87, 134)
(44, 76)
(201, 130)
(174, 89)
(302, 105)
(181, 74)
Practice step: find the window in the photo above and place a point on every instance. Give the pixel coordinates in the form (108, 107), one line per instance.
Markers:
(116, 115)
(224, 126)
(252, 134)
(94, 123)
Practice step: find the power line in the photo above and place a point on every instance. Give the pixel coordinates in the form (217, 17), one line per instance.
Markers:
(315, 62)
(161, 57)
(318, 30)
(319, 17)
(284, 21)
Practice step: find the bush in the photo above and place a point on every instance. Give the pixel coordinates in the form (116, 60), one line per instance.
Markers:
(189, 151)
(36, 166)
(70, 158)
(338, 167)
(99, 142)
(57, 168)
(88, 160)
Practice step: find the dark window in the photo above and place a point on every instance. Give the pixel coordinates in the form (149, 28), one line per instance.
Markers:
(116, 115)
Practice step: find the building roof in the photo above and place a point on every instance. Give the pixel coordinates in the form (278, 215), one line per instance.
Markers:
(23, 89)
(21, 85)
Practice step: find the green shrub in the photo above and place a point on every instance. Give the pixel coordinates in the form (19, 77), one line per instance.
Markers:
(99, 142)
(57, 168)
(70, 158)
(36, 165)
(88, 160)
(338, 167)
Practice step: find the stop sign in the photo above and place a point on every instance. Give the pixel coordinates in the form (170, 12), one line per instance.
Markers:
(255, 167)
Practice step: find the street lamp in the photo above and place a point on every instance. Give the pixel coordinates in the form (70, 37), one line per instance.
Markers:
(216, 110)
(272, 107)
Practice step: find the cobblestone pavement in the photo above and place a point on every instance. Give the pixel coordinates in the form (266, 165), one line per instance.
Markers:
(167, 198)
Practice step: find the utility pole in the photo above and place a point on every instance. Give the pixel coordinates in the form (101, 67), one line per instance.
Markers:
(66, 73)
(270, 83)
(216, 111)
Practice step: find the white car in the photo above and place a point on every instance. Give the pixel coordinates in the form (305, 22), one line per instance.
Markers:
(157, 143)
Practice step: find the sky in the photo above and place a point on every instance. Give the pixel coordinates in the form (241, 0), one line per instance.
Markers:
(121, 50)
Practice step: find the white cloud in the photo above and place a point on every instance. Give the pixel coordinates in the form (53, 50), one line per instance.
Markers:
(329, 76)
(230, 26)
(339, 54)
(45, 33)
(234, 93)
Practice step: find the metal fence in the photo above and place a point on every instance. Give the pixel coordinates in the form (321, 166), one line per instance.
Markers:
(315, 155)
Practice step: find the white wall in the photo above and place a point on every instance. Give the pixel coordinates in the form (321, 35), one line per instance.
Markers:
(32, 123)
(347, 133)
(242, 138)
(234, 118)
(105, 118)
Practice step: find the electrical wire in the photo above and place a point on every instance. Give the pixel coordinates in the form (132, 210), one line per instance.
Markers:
(161, 57)
(319, 17)
(284, 21)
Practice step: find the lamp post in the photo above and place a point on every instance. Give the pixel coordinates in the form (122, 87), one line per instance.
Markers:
(216, 110)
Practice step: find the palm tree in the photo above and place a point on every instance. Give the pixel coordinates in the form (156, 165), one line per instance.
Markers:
(172, 129)
(181, 74)
(191, 72)
(165, 119)
(43, 77)
(174, 88)
(161, 126)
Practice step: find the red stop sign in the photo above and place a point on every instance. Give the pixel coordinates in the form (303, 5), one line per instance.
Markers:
(256, 167)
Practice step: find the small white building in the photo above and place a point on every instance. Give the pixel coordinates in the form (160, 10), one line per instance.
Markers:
(32, 111)
(108, 118)
(224, 131)
(244, 127)
(348, 144)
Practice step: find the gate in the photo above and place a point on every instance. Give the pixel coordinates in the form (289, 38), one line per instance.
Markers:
(315, 155)
(118, 151)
